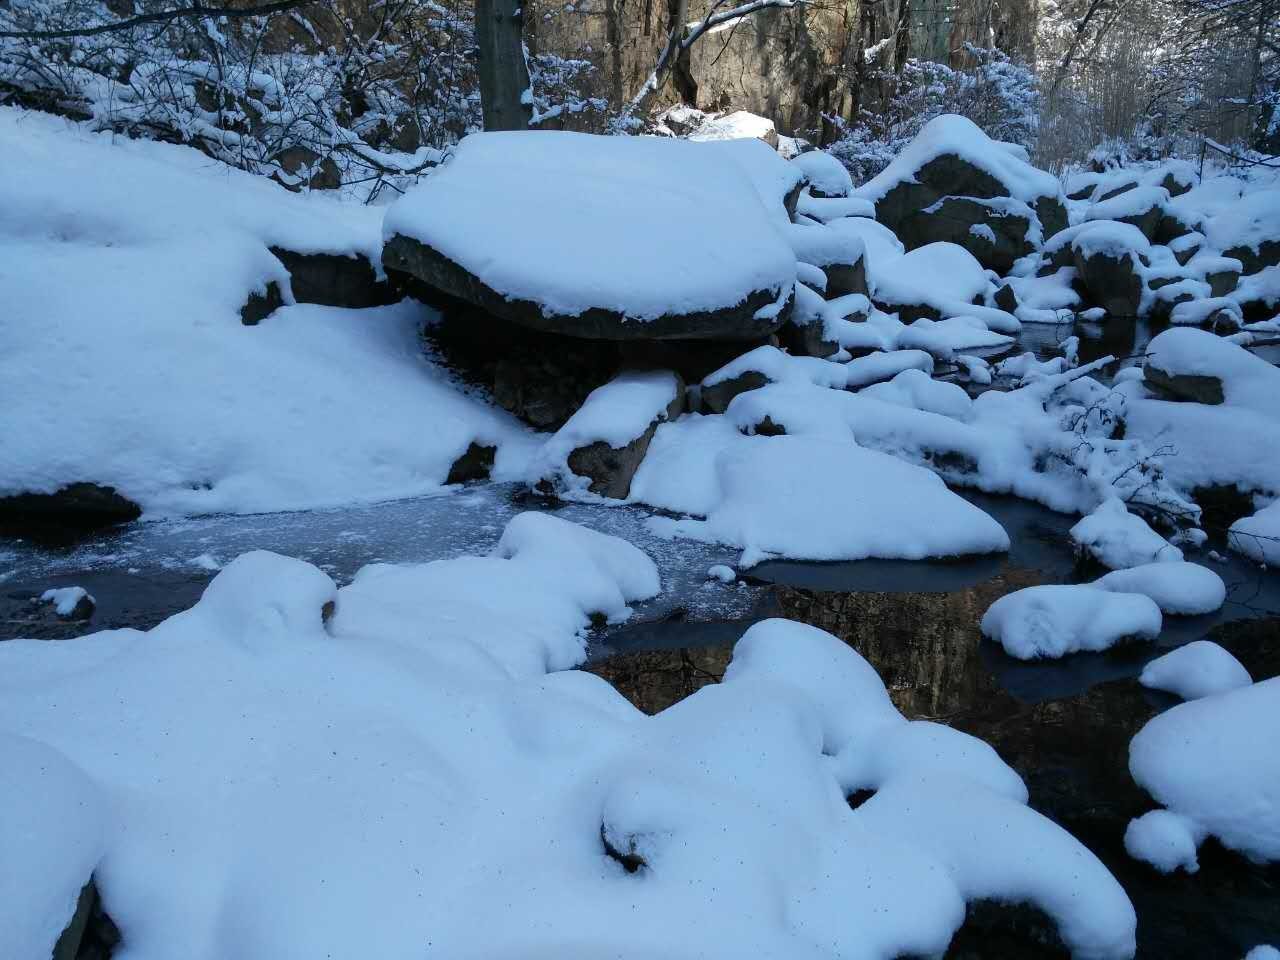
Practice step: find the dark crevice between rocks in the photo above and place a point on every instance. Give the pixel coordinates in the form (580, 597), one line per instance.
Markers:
(858, 797)
(261, 304)
(335, 280)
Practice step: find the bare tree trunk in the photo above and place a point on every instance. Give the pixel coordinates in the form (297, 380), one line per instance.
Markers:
(504, 77)
(902, 42)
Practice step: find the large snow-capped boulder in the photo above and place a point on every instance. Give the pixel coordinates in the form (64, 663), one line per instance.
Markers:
(1108, 260)
(952, 159)
(1190, 364)
(611, 238)
(1249, 230)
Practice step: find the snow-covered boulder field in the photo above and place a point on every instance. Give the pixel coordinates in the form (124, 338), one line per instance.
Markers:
(611, 238)
(304, 770)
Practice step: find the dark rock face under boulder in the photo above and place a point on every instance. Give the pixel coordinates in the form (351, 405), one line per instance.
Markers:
(409, 257)
(1113, 283)
(303, 167)
(846, 278)
(1222, 282)
(611, 469)
(1183, 386)
(334, 280)
(80, 506)
(717, 397)
(1267, 255)
(807, 339)
(261, 305)
(476, 463)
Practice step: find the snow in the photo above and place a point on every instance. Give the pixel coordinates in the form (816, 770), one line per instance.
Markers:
(578, 259)
(771, 175)
(935, 274)
(52, 835)
(813, 499)
(616, 413)
(1131, 203)
(66, 599)
(1118, 539)
(943, 337)
(1263, 952)
(1165, 840)
(1177, 587)
(1197, 312)
(1246, 222)
(1109, 238)
(1258, 536)
(882, 245)
(822, 247)
(780, 367)
(110, 293)
(739, 125)
(1053, 620)
(1198, 669)
(722, 573)
(1212, 762)
(826, 209)
(919, 391)
(420, 736)
(953, 134)
(825, 173)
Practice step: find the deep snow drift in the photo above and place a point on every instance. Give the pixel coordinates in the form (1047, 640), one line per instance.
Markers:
(288, 777)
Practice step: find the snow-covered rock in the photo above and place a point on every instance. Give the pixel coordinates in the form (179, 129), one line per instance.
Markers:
(574, 243)
(599, 449)
(1056, 619)
(813, 499)
(827, 176)
(937, 281)
(1108, 260)
(952, 157)
(70, 603)
(739, 125)
(1177, 587)
(1199, 366)
(125, 267)
(434, 711)
(1213, 764)
(1118, 539)
(1248, 229)
(53, 832)
(1258, 536)
(1198, 669)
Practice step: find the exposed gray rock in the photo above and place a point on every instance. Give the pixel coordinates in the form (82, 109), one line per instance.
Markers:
(845, 278)
(717, 397)
(303, 167)
(953, 218)
(1183, 386)
(1222, 282)
(334, 280)
(430, 267)
(1267, 255)
(1113, 283)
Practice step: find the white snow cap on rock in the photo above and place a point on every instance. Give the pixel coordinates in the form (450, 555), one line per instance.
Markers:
(1247, 380)
(559, 245)
(951, 133)
(1176, 586)
(65, 599)
(1258, 536)
(814, 499)
(1213, 763)
(825, 173)
(1198, 669)
(1053, 620)
(53, 823)
(1118, 539)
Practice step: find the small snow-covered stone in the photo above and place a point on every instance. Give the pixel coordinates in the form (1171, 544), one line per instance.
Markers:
(827, 176)
(1199, 669)
(1056, 619)
(722, 573)
(1164, 840)
(70, 603)
(1118, 539)
(1258, 537)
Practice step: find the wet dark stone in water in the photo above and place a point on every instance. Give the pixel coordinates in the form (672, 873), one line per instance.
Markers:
(476, 463)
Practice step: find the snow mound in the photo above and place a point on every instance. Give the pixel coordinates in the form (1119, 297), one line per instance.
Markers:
(423, 714)
(52, 835)
(1258, 536)
(568, 254)
(1056, 619)
(825, 173)
(1247, 222)
(1118, 539)
(1212, 762)
(66, 599)
(1177, 587)
(811, 499)
(1199, 669)
(1247, 380)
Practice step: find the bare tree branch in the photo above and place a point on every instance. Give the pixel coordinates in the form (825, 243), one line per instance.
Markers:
(196, 9)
